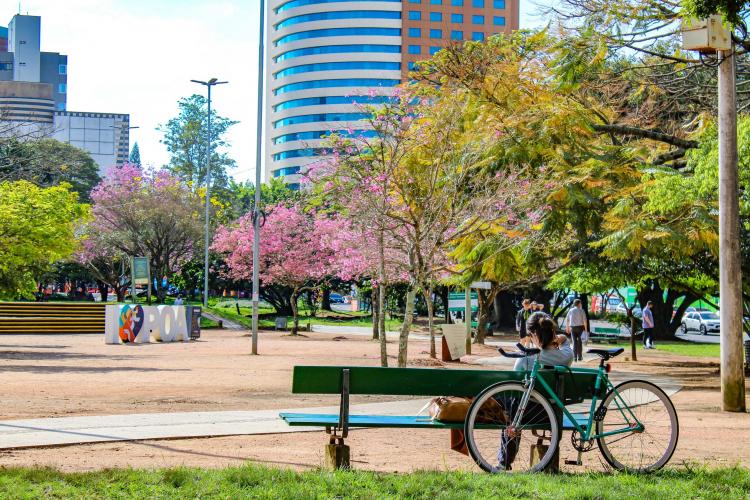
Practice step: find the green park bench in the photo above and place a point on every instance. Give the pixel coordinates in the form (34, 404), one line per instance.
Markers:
(572, 387)
(605, 334)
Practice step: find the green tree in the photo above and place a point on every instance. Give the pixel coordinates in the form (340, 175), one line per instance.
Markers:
(135, 155)
(47, 162)
(186, 139)
(37, 228)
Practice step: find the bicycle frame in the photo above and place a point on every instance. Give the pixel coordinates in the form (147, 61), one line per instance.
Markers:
(601, 377)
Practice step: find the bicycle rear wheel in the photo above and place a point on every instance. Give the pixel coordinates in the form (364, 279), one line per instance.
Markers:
(640, 450)
(496, 444)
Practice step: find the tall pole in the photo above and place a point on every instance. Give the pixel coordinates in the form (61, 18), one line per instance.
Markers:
(467, 319)
(209, 153)
(730, 273)
(208, 202)
(258, 160)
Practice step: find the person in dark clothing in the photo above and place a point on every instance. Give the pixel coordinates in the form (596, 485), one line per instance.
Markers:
(521, 317)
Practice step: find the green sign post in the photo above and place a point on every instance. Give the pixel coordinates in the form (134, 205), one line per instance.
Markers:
(140, 275)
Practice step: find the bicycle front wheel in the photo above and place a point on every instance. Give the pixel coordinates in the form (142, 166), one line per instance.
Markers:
(503, 436)
(649, 421)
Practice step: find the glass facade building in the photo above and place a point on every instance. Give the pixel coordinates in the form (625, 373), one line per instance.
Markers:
(326, 59)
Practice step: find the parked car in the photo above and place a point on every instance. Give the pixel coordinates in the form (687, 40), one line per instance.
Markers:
(703, 321)
(337, 298)
(621, 309)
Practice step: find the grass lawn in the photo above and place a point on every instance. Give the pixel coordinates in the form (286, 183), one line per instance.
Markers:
(259, 482)
(228, 310)
(208, 323)
(689, 348)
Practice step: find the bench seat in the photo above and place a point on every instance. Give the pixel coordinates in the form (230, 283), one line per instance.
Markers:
(406, 421)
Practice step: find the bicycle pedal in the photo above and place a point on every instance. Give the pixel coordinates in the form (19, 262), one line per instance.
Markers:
(573, 462)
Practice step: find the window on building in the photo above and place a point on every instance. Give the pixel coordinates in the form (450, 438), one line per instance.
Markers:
(477, 36)
(477, 19)
(498, 4)
(457, 18)
(412, 65)
(62, 88)
(436, 33)
(436, 2)
(434, 50)
(415, 32)
(415, 15)
(6, 66)
(415, 49)
(62, 69)
(436, 17)
(415, 1)
(457, 35)
(498, 21)
(477, 4)
(61, 106)
(457, 3)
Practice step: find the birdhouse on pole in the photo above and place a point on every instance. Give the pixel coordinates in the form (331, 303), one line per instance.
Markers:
(706, 35)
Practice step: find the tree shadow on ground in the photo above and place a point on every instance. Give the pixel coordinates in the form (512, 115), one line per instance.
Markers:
(55, 356)
(82, 369)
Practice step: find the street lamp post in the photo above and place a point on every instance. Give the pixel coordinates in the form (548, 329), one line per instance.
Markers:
(209, 150)
(258, 157)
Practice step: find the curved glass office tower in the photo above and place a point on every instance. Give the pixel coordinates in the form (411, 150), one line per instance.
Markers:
(325, 57)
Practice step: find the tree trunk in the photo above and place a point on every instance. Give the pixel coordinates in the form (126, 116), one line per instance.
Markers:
(375, 303)
(403, 339)
(381, 299)
(446, 298)
(103, 290)
(430, 322)
(666, 319)
(326, 300)
(295, 316)
(633, 350)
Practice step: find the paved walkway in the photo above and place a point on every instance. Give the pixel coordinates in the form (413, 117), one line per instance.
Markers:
(96, 429)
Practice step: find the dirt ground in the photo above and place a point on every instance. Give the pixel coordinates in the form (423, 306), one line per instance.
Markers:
(51, 376)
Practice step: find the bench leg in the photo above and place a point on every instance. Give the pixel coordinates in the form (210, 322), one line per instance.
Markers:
(337, 454)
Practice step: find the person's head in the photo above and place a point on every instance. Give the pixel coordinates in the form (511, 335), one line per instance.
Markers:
(540, 306)
(533, 306)
(649, 304)
(526, 303)
(577, 303)
(542, 329)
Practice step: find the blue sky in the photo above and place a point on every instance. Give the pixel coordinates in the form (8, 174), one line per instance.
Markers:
(138, 57)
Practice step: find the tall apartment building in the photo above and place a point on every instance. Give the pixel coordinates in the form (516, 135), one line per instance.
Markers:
(22, 59)
(33, 95)
(325, 57)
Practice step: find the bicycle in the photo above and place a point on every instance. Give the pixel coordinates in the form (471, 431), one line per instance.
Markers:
(634, 425)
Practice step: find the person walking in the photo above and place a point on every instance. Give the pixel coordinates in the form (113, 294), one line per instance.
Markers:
(648, 326)
(521, 317)
(575, 324)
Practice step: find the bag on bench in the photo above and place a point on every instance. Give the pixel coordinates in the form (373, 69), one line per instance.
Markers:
(454, 409)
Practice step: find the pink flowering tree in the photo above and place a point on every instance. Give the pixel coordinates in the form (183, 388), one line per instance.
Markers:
(421, 181)
(139, 212)
(299, 250)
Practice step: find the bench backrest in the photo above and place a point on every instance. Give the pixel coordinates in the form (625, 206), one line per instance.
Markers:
(606, 329)
(426, 381)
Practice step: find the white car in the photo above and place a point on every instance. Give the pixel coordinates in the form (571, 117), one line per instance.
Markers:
(704, 322)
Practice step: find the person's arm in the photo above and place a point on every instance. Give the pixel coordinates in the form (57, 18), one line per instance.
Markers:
(519, 318)
(567, 322)
(649, 319)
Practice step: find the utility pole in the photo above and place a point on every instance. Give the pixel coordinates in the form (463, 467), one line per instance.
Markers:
(730, 272)
(258, 160)
(209, 152)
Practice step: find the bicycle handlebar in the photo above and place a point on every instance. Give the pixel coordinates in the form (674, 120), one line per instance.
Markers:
(524, 352)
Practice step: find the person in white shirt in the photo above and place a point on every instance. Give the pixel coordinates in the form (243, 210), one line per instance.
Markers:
(575, 324)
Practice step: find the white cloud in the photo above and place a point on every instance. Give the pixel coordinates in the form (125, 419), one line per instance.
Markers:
(138, 57)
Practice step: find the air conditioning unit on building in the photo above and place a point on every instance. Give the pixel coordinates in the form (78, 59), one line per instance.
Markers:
(706, 35)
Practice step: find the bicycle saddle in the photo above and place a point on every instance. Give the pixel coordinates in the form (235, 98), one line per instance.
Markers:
(606, 354)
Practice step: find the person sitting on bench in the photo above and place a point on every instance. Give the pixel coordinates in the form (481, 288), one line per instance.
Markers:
(556, 350)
